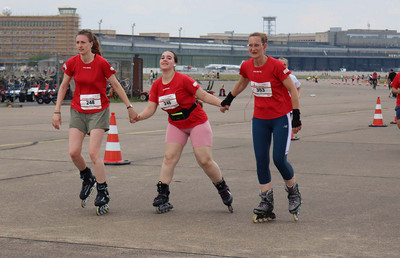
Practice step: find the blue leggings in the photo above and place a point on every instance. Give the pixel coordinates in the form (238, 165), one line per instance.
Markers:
(263, 130)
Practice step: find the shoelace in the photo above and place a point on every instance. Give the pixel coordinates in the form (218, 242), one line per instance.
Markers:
(264, 203)
(293, 199)
(103, 194)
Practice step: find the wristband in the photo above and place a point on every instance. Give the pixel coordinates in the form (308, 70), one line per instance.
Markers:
(57, 112)
(296, 118)
(130, 106)
(228, 100)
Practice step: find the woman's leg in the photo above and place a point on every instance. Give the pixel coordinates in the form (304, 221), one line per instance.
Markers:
(282, 129)
(204, 159)
(281, 137)
(261, 143)
(75, 148)
(201, 139)
(96, 138)
(172, 155)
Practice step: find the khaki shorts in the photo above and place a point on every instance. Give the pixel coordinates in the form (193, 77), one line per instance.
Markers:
(87, 122)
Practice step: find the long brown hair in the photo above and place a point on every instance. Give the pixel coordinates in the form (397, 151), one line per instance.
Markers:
(96, 49)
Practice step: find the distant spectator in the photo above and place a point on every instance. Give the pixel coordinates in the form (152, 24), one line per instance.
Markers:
(374, 79)
(222, 91)
(390, 77)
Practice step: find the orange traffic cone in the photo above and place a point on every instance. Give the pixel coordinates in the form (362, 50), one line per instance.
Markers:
(378, 117)
(394, 122)
(294, 138)
(113, 148)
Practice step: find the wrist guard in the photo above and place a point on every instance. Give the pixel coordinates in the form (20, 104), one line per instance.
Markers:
(296, 118)
(228, 100)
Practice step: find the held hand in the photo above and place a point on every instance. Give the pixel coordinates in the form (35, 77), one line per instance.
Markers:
(225, 104)
(228, 100)
(223, 109)
(56, 121)
(137, 118)
(296, 130)
(132, 115)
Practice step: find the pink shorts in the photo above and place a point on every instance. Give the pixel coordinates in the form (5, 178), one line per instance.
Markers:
(200, 135)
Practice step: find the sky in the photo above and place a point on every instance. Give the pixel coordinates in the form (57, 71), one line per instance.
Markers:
(200, 17)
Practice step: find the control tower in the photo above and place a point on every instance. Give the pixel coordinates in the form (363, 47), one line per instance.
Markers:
(269, 25)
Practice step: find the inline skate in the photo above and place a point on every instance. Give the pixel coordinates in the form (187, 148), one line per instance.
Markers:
(295, 200)
(88, 185)
(264, 211)
(161, 201)
(225, 194)
(102, 199)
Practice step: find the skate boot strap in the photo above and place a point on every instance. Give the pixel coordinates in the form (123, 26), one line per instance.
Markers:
(102, 187)
(161, 196)
(224, 193)
(87, 177)
(162, 188)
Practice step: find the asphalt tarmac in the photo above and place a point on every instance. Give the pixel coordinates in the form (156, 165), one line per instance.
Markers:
(347, 173)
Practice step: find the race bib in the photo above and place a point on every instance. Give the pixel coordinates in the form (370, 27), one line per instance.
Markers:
(168, 102)
(90, 101)
(261, 89)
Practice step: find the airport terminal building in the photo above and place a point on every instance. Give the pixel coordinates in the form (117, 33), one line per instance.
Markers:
(359, 50)
(22, 37)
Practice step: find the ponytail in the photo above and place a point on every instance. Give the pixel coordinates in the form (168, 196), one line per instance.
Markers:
(96, 48)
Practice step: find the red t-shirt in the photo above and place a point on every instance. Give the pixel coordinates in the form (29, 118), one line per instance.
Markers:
(178, 94)
(272, 98)
(90, 83)
(396, 84)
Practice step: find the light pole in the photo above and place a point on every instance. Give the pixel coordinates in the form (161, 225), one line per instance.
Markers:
(133, 32)
(180, 47)
(232, 40)
(100, 22)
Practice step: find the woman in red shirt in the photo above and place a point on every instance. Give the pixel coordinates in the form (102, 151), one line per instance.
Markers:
(271, 85)
(176, 94)
(89, 113)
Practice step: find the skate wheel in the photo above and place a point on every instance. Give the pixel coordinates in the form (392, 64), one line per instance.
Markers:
(295, 216)
(255, 218)
(102, 209)
(230, 208)
(83, 203)
(163, 208)
(159, 210)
